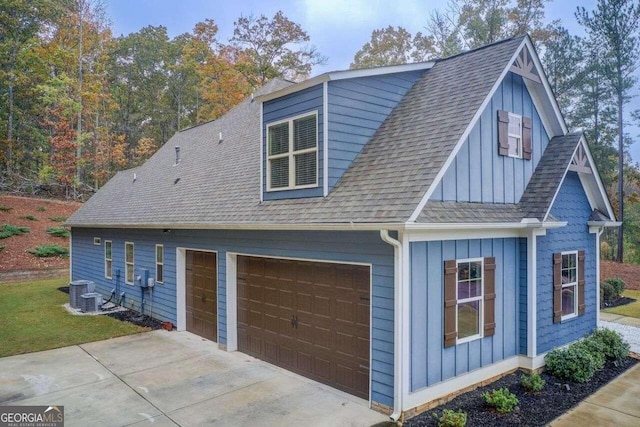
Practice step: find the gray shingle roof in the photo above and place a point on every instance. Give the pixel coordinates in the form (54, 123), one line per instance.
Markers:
(537, 197)
(218, 183)
(454, 212)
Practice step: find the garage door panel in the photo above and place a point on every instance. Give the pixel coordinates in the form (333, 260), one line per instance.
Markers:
(318, 323)
(201, 293)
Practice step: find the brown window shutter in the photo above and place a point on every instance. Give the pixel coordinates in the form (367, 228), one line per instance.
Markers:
(450, 279)
(526, 138)
(503, 133)
(557, 287)
(581, 282)
(489, 296)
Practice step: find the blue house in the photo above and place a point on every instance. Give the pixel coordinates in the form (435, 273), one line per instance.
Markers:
(399, 233)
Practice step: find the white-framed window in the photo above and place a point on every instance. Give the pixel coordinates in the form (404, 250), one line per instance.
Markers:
(160, 263)
(515, 135)
(128, 262)
(108, 259)
(569, 284)
(469, 296)
(96, 241)
(292, 153)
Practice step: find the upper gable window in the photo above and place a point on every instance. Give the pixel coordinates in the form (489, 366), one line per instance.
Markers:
(514, 135)
(292, 153)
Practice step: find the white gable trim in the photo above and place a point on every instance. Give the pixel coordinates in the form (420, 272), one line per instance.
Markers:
(325, 133)
(345, 74)
(591, 184)
(548, 126)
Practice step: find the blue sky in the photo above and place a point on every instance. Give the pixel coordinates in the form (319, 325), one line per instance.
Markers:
(338, 28)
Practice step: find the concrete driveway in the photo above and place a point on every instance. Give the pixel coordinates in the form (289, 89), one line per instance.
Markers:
(173, 378)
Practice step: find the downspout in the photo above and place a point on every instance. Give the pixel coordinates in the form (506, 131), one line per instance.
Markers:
(397, 317)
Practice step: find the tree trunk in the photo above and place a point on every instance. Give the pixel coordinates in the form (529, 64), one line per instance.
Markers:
(79, 136)
(10, 118)
(620, 179)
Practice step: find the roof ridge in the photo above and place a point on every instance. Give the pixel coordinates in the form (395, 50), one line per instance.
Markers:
(487, 46)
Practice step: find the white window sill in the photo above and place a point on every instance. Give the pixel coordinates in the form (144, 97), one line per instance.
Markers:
(568, 317)
(468, 339)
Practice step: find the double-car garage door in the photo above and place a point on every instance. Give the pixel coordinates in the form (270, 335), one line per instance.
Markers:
(308, 317)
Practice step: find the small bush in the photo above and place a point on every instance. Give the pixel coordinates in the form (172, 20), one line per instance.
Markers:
(595, 349)
(451, 418)
(4, 208)
(533, 383)
(502, 400)
(30, 217)
(607, 292)
(615, 348)
(58, 231)
(47, 251)
(9, 230)
(573, 363)
(58, 218)
(617, 283)
(2, 248)
(41, 209)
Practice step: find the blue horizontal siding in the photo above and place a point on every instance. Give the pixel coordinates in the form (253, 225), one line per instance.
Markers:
(309, 100)
(430, 361)
(571, 205)
(359, 247)
(523, 296)
(478, 173)
(356, 108)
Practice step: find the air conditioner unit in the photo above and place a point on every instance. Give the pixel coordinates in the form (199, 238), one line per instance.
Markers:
(78, 288)
(90, 302)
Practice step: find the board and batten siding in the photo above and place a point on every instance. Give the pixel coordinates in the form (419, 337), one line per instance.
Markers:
(523, 295)
(356, 108)
(571, 205)
(309, 100)
(357, 247)
(479, 173)
(430, 362)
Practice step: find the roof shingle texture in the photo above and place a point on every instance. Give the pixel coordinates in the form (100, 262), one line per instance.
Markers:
(218, 183)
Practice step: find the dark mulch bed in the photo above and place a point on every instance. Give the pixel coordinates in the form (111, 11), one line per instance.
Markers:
(557, 397)
(136, 318)
(64, 289)
(617, 302)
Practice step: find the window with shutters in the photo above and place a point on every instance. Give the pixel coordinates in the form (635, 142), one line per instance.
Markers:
(128, 263)
(514, 135)
(469, 300)
(292, 153)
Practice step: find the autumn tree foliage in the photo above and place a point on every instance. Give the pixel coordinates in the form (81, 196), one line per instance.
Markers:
(63, 147)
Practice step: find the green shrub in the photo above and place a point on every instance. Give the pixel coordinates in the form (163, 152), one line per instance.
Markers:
(502, 400)
(451, 418)
(2, 248)
(617, 283)
(533, 383)
(41, 209)
(615, 348)
(30, 217)
(607, 292)
(9, 230)
(594, 348)
(4, 208)
(58, 218)
(46, 251)
(573, 363)
(58, 231)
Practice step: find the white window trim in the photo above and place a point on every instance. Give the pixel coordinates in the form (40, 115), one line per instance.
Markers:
(478, 298)
(291, 154)
(520, 148)
(159, 263)
(96, 241)
(133, 253)
(110, 243)
(569, 285)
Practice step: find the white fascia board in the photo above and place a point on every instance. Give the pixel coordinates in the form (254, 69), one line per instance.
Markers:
(232, 226)
(596, 177)
(345, 74)
(467, 131)
(599, 224)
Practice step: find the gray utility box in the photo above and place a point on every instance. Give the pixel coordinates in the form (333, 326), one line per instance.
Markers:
(90, 302)
(77, 288)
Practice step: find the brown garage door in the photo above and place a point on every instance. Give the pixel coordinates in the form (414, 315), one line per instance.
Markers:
(202, 294)
(309, 317)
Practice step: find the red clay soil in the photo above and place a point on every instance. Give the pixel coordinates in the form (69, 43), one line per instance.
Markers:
(15, 256)
(630, 273)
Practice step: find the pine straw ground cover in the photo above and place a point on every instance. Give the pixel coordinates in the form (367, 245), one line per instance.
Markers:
(534, 409)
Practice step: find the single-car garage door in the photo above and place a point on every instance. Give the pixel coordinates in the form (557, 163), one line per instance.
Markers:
(309, 317)
(202, 294)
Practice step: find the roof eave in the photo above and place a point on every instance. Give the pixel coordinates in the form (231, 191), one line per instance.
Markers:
(394, 226)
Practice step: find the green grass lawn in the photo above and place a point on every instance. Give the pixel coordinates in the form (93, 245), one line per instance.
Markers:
(33, 319)
(631, 310)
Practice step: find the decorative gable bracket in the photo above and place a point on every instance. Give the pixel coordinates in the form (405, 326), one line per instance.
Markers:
(525, 66)
(580, 161)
